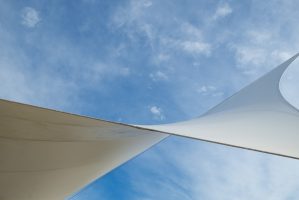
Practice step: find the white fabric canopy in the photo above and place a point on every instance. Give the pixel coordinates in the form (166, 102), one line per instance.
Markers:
(257, 118)
(46, 154)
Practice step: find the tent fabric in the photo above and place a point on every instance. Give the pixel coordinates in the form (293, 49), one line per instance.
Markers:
(257, 117)
(47, 154)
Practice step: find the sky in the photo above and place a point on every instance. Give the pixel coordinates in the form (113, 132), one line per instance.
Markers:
(152, 62)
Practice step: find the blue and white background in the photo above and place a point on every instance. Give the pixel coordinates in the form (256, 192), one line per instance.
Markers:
(150, 62)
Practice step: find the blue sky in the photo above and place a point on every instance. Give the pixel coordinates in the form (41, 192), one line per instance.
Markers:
(150, 62)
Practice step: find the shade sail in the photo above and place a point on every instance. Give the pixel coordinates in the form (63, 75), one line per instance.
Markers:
(46, 154)
(257, 118)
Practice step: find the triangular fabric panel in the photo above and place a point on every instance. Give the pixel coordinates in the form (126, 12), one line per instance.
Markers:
(45, 154)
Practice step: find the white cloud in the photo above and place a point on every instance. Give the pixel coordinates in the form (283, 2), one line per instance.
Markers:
(187, 44)
(260, 47)
(191, 40)
(55, 78)
(259, 37)
(158, 76)
(281, 55)
(97, 71)
(254, 60)
(132, 14)
(147, 3)
(222, 11)
(250, 55)
(157, 113)
(196, 47)
(209, 90)
(134, 19)
(30, 17)
(206, 89)
(35, 88)
(191, 31)
(161, 57)
(261, 43)
(22, 83)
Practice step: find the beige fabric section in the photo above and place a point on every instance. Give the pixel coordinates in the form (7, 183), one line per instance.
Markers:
(257, 118)
(48, 155)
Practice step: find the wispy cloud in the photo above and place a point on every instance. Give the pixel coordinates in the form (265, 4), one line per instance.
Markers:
(30, 17)
(192, 40)
(157, 113)
(158, 76)
(135, 21)
(193, 172)
(222, 10)
(197, 47)
(261, 42)
(209, 90)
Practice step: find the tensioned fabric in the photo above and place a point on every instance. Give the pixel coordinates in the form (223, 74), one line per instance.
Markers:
(257, 117)
(46, 154)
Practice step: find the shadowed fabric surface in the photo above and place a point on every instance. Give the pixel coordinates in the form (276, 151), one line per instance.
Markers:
(46, 154)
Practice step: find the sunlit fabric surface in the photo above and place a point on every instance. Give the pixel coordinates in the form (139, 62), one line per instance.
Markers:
(47, 154)
(258, 117)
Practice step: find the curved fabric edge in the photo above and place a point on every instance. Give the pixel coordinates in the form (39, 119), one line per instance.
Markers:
(257, 117)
